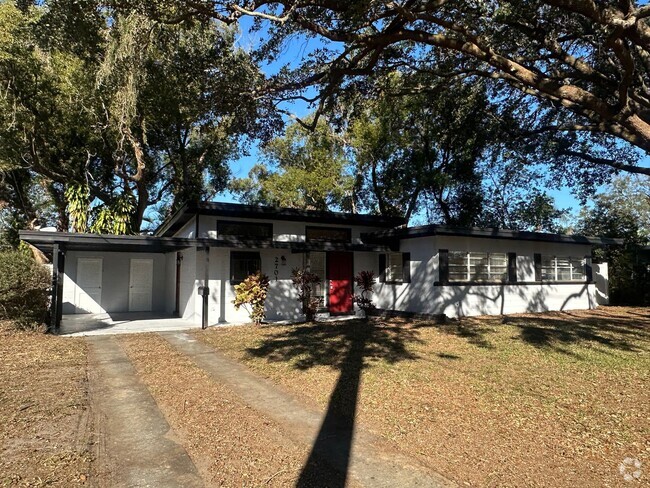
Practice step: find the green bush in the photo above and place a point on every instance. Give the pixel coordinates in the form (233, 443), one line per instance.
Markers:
(24, 290)
(251, 294)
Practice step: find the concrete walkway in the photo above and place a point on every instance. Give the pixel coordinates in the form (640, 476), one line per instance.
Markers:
(366, 462)
(135, 446)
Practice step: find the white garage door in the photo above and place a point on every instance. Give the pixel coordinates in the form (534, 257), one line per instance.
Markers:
(140, 285)
(88, 296)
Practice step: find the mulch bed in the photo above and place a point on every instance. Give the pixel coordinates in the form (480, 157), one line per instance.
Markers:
(45, 433)
(554, 399)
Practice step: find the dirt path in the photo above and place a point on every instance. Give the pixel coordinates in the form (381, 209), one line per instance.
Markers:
(350, 450)
(135, 446)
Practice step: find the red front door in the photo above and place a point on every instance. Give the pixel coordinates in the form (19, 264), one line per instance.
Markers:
(339, 271)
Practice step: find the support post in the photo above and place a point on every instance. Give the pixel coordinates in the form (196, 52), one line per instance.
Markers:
(54, 303)
(59, 288)
(205, 290)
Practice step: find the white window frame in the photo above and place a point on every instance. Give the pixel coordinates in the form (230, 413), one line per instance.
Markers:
(580, 276)
(389, 273)
(501, 277)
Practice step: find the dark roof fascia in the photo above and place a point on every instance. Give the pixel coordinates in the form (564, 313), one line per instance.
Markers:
(489, 233)
(293, 246)
(300, 247)
(236, 210)
(102, 242)
(174, 223)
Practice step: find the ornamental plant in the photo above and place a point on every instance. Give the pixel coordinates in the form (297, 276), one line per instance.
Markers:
(365, 281)
(251, 294)
(304, 281)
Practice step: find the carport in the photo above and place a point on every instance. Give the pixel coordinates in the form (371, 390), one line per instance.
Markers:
(58, 245)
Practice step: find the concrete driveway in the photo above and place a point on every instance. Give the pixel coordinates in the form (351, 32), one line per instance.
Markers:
(121, 323)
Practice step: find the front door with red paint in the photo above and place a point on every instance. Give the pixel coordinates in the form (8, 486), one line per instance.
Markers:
(339, 271)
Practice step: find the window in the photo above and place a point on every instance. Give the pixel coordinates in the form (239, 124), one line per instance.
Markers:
(244, 230)
(478, 266)
(394, 267)
(329, 234)
(316, 263)
(242, 265)
(556, 268)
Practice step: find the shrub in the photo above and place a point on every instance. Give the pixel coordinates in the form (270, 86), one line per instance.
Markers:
(251, 294)
(24, 290)
(304, 282)
(365, 281)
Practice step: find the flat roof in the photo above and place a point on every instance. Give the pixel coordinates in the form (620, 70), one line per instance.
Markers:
(237, 210)
(385, 236)
(72, 241)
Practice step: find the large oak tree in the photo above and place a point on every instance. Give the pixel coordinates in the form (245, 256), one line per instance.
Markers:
(582, 66)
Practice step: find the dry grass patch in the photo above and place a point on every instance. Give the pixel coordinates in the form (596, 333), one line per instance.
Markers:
(555, 399)
(229, 442)
(44, 429)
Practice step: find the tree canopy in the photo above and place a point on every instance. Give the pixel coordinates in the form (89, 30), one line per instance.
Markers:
(139, 113)
(580, 68)
(305, 169)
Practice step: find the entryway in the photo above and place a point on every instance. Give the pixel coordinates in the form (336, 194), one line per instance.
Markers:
(88, 291)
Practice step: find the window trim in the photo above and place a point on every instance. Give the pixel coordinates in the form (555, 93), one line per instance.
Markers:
(268, 225)
(239, 255)
(347, 230)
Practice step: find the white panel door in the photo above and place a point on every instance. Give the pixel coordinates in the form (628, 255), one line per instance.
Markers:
(88, 296)
(141, 285)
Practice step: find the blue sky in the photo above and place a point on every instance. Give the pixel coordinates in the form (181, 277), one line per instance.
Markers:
(293, 52)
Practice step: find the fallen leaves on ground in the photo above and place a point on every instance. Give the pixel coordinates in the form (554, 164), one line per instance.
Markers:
(230, 443)
(554, 399)
(44, 427)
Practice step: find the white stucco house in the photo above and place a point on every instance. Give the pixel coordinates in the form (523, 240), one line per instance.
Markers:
(189, 267)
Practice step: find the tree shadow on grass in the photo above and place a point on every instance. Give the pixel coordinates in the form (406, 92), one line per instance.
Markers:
(558, 330)
(605, 330)
(348, 347)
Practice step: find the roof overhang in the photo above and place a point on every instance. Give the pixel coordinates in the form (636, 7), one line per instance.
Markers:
(45, 242)
(388, 236)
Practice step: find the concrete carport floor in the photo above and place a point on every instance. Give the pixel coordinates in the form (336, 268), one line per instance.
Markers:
(121, 323)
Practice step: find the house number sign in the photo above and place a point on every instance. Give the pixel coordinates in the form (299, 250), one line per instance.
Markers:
(275, 270)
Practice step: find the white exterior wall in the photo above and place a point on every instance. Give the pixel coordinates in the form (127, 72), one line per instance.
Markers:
(601, 277)
(281, 302)
(284, 231)
(188, 230)
(115, 280)
(422, 296)
(418, 296)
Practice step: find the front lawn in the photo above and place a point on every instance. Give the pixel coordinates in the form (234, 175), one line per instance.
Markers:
(555, 399)
(45, 430)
